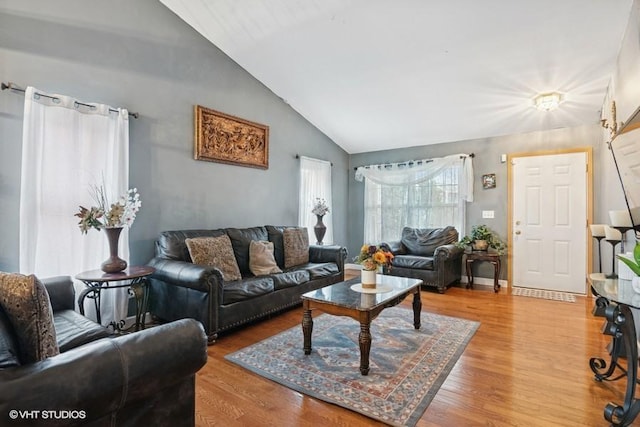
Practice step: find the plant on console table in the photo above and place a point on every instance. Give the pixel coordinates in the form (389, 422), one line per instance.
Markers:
(481, 239)
(112, 217)
(634, 265)
(372, 257)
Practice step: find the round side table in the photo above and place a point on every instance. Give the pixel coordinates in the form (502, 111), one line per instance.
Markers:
(136, 278)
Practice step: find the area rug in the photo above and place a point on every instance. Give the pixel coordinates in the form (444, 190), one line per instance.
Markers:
(407, 366)
(540, 293)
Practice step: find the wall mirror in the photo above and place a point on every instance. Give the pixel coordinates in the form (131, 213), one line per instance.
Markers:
(625, 148)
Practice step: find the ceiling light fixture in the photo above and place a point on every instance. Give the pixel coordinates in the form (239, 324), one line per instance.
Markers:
(548, 101)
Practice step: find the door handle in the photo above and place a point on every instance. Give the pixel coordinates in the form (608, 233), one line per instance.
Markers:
(518, 232)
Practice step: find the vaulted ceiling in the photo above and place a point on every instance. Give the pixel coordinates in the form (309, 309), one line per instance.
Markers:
(382, 74)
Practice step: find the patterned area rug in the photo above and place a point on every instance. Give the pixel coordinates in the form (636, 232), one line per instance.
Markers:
(540, 293)
(407, 366)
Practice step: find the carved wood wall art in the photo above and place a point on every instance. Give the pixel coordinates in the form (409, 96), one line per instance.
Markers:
(227, 139)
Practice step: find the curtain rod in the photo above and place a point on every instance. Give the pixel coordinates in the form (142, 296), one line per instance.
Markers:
(298, 156)
(12, 86)
(472, 155)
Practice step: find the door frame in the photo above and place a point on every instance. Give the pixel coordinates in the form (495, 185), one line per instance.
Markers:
(589, 253)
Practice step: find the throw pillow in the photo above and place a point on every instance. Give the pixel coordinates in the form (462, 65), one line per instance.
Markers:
(215, 252)
(26, 303)
(296, 246)
(261, 260)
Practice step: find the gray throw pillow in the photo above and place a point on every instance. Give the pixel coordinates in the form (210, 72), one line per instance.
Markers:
(296, 246)
(215, 252)
(26, 303)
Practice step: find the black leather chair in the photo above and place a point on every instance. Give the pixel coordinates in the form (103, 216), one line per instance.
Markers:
(428, 254)
(144, 378)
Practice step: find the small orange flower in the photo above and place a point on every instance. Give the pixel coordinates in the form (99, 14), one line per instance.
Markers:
(380, 257)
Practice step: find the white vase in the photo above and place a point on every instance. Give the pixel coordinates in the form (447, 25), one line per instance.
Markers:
(368, 278)
(635, 284)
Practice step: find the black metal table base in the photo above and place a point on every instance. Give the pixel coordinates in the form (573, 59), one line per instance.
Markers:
(137, 288)
(621, 326)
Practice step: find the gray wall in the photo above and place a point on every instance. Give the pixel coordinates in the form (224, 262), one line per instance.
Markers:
(143, 57)
(487, 160)
(139, 55)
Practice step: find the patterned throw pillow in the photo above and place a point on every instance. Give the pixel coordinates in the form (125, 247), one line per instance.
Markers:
(215, 252)
(296, 246)
(261, 260)
(26, 302)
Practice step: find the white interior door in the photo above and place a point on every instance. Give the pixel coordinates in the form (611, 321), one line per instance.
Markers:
(549, 222)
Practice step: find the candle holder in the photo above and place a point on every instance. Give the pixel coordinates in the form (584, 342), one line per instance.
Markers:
(598, 232)
(623, 230)
(613, 243)
(599, 239)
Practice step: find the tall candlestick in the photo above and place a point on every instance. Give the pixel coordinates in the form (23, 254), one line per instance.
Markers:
(612, 234)
(620, 218)
(597, 230)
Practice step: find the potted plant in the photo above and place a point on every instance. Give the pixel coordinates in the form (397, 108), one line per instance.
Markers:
(481, 239)
(634, 265)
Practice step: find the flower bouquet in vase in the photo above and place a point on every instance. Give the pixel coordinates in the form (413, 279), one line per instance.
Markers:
(320, 209)
(372, 258)
(112, 218)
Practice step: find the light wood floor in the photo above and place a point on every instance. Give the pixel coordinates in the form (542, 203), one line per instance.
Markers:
(527, 365)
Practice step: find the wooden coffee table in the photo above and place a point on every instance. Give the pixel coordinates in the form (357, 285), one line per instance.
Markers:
(341, 300)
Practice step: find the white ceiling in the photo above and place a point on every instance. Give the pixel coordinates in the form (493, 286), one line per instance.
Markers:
(382, 74)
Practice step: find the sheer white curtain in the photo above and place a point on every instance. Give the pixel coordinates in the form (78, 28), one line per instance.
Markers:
(67, 148)
(315, 182)
(424, 193)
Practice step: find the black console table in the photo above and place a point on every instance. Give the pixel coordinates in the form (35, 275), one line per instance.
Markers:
(621, 326)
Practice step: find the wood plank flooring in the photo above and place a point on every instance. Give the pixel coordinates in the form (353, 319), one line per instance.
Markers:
(527, 365)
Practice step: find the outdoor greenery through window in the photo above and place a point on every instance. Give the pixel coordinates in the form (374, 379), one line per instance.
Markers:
(432, 200)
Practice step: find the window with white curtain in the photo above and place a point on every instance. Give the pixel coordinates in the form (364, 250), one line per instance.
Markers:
(424, 194)
(67, 148)
(315, 183)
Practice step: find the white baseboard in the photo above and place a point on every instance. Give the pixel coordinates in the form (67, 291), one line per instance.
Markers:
(485, 281)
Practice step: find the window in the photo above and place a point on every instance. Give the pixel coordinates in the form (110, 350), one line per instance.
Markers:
(430, 195)
(315, 183)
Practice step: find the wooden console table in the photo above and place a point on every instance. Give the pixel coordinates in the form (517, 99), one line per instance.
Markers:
(622, 299)
(491, 257)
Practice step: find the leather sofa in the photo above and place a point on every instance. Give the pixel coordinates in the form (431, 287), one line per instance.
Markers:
(428, 254)
(181, 289)
(144, 378)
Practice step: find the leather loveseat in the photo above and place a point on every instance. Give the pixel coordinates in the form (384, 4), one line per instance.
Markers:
(144, 378)
(181, 289)
(428, 254)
